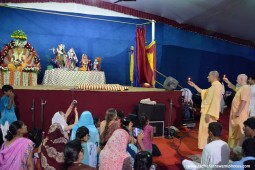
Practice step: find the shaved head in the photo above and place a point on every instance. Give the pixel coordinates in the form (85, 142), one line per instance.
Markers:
(243, 76)
(214, 74)
(242, 79)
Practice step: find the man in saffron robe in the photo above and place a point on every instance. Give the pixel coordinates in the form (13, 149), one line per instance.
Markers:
(239, 110)
(210, 106)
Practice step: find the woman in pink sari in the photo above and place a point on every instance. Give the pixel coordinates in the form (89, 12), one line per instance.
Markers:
(17, 151)
(114, 155)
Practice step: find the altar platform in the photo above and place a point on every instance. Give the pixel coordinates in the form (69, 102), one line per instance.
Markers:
(62, 77)
(58, 98)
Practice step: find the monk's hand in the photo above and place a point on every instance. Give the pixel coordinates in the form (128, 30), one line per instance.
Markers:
(207, 118)
(191, 83)
(225, 79)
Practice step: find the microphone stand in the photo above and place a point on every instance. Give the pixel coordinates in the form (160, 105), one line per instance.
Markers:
(169, 119)
(42, 113)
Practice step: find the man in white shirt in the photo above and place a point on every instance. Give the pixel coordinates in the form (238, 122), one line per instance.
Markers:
(215, 154)
(251, 81)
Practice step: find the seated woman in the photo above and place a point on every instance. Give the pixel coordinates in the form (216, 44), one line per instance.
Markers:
(89, 148)
(52, 154)
(143, 161)
(147, 131)
(61, 118)
(108, 126)
(86, 119)
(132, 148)
(17, 151)
(73, 155)
(114, 155)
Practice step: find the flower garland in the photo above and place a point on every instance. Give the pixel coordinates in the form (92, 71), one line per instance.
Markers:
(2, 68)
(30, 69)
(14, 44)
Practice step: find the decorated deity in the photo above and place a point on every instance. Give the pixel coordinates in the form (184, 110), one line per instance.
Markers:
(71, 59)
(19, 55)
(97, 64)
(84, 63)
(60, 56)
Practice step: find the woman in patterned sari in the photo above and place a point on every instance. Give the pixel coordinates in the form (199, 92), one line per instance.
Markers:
(108, 126)
(52, 150)
(114, 155)
(16, 152)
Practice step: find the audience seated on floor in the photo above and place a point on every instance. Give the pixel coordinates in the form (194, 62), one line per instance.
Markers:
(108, 126)
(52, 148)
(17, 151)
(147, 131)
(114, 155)
(143, 161)
(248, 148)
(90, 149)
(249, 132)
(73, 154)
(132, 149)
(249, 127)
(97, 122)
(61, 117)
(215, 153)
(87, 120)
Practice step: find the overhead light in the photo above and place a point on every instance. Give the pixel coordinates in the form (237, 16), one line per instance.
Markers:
(123, 0)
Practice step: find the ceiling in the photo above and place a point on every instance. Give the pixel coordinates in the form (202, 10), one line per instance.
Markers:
(232, 17)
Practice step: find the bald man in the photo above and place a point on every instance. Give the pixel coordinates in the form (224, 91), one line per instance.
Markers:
(239, 110)
(210, 106)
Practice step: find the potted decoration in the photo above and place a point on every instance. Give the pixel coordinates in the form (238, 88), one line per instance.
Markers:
(49, 63)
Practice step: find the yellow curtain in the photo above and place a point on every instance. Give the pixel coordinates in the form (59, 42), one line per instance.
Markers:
(132, 66)
(151, 56)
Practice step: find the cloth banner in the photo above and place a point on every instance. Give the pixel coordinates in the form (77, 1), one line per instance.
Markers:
(142, 68)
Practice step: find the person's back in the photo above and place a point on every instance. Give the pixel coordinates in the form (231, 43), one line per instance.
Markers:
(248, 148)
(216, 153)
(147, 142)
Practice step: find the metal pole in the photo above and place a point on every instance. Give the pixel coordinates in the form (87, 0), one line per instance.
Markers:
(169, 119)
(42, 113)
(33, 113)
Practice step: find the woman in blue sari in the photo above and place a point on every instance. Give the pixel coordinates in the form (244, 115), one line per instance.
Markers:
(87, 120)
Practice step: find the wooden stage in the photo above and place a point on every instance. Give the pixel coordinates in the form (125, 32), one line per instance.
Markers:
(59, 98)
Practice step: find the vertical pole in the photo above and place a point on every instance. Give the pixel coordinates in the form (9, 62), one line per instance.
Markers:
(33, 113)
(153, 30)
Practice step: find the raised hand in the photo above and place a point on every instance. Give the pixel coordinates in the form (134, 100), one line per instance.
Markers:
(191, 83)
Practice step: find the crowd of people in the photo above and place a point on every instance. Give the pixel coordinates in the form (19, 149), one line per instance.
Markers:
(239, 152)
(125, 142)
(87, 143)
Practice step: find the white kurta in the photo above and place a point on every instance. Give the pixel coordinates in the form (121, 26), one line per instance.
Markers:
(252, 102)
(214, 153)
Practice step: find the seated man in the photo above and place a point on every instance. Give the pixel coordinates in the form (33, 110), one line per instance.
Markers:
(248, 148)
(249, 127)
(215, 153)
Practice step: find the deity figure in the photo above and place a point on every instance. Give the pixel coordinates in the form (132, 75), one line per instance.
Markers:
(18, 59)
(71, 59)
(84, 63)
(97, 64)
(60, 56)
